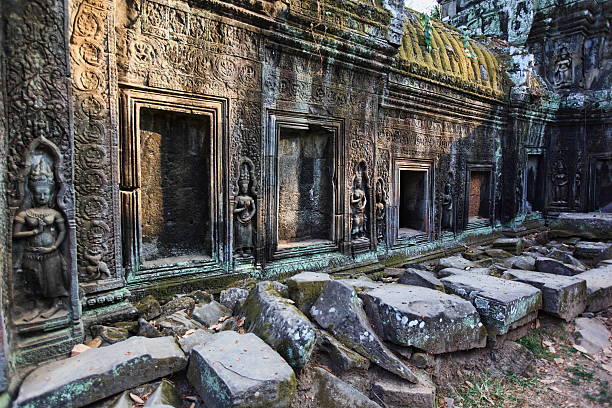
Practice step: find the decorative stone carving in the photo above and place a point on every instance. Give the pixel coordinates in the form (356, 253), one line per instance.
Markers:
(359, 202)
(39, 231)
(560, 182)
(380, 210)
(563, 74)
(448, 217)
(244, 209)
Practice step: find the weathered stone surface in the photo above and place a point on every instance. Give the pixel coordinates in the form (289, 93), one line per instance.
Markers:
(526, 263)
(474, 254)
(424, 318)
(333, 392)
(178, 323)
(148, 308)
(456, 262)
(280, 324)
(421, 278)
(585, 225)
(341, 357)
(599, 288)
(233, 298)
(340, 311)
(562, 296)
(111, 335)
(454, 271)
(209, 313)
(566, 257)
(556, 267)
(281, 288)
(165, 396)
(306, 287)
(395, 393)
(512, 245)
(145, 329)
(498, 253)
(362, 283)
(197, 338)
(593, 251)
(99, 373)
(592, 334)
(240, 370)
(201, 296)
(500, 302)
(180, 303)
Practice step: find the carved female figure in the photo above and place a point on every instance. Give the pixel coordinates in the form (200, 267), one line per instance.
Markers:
(563, 68)
(244, 211)
(380, 208)
(358, 207)
(43, 230)
(447, 204)
(560, 182)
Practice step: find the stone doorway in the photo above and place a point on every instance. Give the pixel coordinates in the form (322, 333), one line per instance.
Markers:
(533, 193)
(412, 202)
(479, 196)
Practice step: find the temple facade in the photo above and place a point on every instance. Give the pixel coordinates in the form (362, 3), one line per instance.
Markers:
(155, 146)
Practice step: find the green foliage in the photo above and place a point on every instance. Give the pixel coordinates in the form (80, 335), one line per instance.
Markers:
(465, 38)
(427, 31)
(436, 12)
(533, 342)
(603, 396)
(580, 373)
(486, 391)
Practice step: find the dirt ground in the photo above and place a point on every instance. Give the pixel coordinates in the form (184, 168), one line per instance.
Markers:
(556, 375)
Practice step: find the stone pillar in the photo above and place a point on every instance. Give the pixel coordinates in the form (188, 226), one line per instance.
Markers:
(43, 310)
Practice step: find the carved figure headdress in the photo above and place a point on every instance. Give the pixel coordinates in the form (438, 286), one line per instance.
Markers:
(41, 174)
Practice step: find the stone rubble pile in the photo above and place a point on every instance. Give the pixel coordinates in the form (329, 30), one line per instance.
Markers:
(317, 341)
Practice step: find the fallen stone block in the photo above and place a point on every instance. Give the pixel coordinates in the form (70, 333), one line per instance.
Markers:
(242, 371)
(421, 278)
(566, 257)
(148, 308)
(597, 226)
(592, 335)
(394, 393)
(177, 304)
(340, 311)
(424, 318)
(333, 392)
(512, 245)
(233, 298)
(526, 263)
(362, 283)
(593, 252)
(562, 296)
(209, 314)
(502, 304)
(178, 324)
(99, 373)
(454, 271)
(111, 335)
(456, 262)
(599, 288)
(197, 338)
(342, 358)
(280, 324)
(498, 253)
(165, 396)
(556, 267)
(306, 287)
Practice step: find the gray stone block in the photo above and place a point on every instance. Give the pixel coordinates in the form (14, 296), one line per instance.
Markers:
(333, 392)
(456, 261)
(599, 288)
(306, 287)
(424, 318)
(556, 267)
(421, 278)
(562, 296)
(99, 373)
(209, 314)
(242, 371)
(233, 298)
(501, 303)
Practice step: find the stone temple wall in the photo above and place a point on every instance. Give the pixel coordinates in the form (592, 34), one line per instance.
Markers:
(101, 93)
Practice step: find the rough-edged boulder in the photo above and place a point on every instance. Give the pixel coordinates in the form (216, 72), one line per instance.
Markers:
(526, 263)
(424, 318)
(99, 373)
(599, 288)
(340, 311)
(240, 371)
(342, 358)
(280, 324)
(148, 308)
(566, 257)
(233, 298)
(512, 245)
(592, 334)
(562, 296)
(330, 391)
(209, 314)
(180, 303)
(421, 278)
(456, 262)
(501, 303)
(306, 287)
(556, 267)
(178, 324)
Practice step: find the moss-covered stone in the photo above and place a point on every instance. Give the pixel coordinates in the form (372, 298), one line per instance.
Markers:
(306, 287)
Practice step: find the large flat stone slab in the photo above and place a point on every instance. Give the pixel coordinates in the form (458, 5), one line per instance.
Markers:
(99, 373)
(599, 288)
(500, 302)
(592, 334)
(340, 311)
(585, 225)
(280, 324)
(424, 318)
(456, 261)
(562, 296)
(240, 370)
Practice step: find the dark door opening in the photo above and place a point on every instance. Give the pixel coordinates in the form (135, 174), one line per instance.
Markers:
(305, 177)
(479, 196)
(534, 197)
(412, 202)
(603, 185)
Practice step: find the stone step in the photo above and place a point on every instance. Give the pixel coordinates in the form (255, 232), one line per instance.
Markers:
(599, 288)
(424, 318)
(240, 370)
(562, 296)
(99, 373)
(503, 305)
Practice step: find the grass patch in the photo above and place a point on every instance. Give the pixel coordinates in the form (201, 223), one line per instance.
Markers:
(603, 396)
(485, 391)
(533, 342)
(579, 374)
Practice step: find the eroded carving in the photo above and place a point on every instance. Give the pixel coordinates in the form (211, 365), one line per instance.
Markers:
(448, 218)
(380, 211)
(563, 68)
(560, 182)
(244, 210)
(359, 202)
